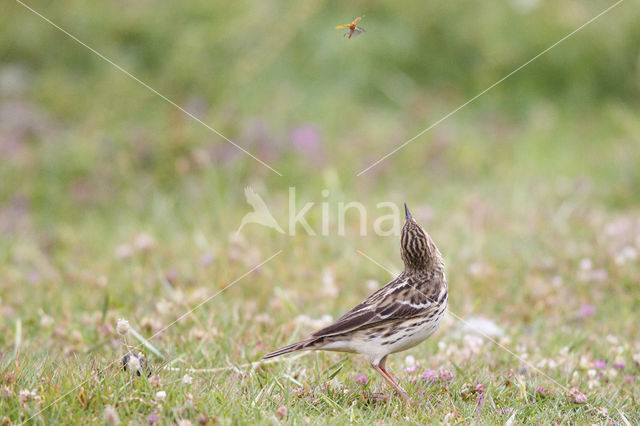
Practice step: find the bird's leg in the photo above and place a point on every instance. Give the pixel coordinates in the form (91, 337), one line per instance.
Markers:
(383, 366)
(399, 388)
(394, 384)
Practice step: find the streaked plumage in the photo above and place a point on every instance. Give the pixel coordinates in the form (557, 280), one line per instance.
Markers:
(398, 316)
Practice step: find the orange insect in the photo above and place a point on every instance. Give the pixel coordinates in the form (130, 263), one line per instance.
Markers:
(354, 29)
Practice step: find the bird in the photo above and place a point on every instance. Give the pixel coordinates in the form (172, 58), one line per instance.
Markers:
(260, 214)
(398, 316)
(354, 29)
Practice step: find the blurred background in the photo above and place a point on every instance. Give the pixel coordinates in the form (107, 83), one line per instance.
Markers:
(109, 195)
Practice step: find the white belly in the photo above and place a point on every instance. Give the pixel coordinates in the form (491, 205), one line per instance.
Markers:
(378, 347)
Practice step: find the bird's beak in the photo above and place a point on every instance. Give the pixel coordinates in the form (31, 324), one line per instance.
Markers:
(407, 213)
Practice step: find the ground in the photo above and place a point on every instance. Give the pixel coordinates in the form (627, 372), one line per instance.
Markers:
(116, 205)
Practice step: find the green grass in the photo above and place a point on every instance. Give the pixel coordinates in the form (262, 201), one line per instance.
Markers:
(518, 190)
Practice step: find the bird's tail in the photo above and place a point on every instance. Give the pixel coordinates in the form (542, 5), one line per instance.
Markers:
(299, 346)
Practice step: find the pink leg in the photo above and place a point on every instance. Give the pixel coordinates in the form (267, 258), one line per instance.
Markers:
(394, 384)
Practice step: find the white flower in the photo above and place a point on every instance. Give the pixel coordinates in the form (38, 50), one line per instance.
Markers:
(477, 269)
(111, 415)
(124, 251)
(187, 379)
(144, 242)
(586, 264)
(525, 6)
(306, 321)
(46, 321)
(329, 287)
(5, 392)
(627, 254)
(584, 362)
(122, 326)
(155, 380)
(133, 363)
(24, 396)
(76, 336)
(409, 361)
(473, 342)
(184, 422)
(373, 285)
(450, 418)
(102, 281)
(325, 320)
(161, 395)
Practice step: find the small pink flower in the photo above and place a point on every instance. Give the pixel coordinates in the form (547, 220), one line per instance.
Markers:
(429, 375)
(620, 365)
(153, 418)
(480, 388)
(446, 375)
(411, 369)
(587, 311)
(542, 392)
(282, 412)
(576, 396)
(628, 379)
(306, 139)
(600, 364)
(207, 259)
(361, 378)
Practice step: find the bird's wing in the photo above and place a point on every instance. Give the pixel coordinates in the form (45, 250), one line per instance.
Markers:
(395, 301)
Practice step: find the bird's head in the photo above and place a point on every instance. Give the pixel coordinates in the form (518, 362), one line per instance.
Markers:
(418, 250)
